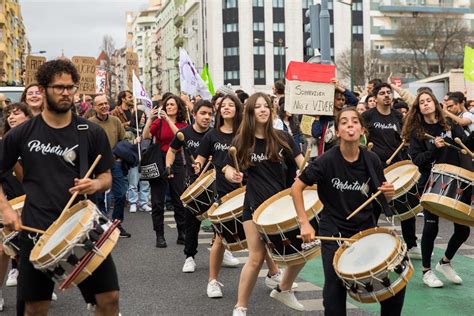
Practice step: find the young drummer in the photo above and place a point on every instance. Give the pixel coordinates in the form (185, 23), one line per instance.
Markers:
(266, 155)
(346, 175)
(193, 134)
(426, 116)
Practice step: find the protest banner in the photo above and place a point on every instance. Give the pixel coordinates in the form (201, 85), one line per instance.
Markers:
(32, 65)
(86, 68)
(100, 81)
(131, 59)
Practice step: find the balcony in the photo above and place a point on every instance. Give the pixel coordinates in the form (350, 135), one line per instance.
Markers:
(424, 6)
(178, 21)
(179, 41)
(387, 32)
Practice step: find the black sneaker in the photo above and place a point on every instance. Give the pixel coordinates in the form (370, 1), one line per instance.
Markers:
(124, 233)
(161, 242)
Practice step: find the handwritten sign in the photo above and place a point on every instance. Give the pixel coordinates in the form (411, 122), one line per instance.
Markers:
(131, 59)
(86, 68)
(306, 124)
(32, 65)
(100, 81)
(312, 98)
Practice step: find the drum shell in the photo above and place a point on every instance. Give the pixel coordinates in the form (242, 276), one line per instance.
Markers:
(199, 199)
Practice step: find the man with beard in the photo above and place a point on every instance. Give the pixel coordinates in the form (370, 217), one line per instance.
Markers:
(48, 146)
(384, 128)
(123, 108)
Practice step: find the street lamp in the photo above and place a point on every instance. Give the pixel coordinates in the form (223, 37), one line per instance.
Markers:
(280, 44)
(168, 73)
(38, 52)
(352, 35)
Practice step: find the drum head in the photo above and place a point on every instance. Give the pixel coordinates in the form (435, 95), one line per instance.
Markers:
(282, 209)
(58, 236)
(406, 171)
(230, 205)
(366, 253)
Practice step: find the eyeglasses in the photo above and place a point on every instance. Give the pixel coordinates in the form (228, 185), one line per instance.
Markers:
(31, 93)
(384, 93)
(59, 89)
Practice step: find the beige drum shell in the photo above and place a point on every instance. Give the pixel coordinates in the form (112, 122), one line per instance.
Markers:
(442, 206)
(17, 204)
(193, 191)
(375, 269)
(410, 183)
(233, 213)
(455, 170)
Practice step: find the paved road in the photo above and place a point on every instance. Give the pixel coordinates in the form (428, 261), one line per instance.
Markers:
(152, 282)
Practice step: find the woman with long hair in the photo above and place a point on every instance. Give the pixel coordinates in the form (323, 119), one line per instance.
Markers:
(264, 153)
(362, 172)
(163, 124)
(34, 98)
(216, 143)
(291, 123)
(426, 116)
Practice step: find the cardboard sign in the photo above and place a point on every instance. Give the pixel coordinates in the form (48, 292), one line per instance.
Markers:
(306, 124)
(397, 81)
(313, 98)
(86, 68)
(100, 81)
(32, 65)
(310, 72)
(131, 59)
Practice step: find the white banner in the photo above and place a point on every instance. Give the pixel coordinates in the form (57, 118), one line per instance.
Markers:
(140, 93)
(190, 80)
(100, 81)
(312, 98)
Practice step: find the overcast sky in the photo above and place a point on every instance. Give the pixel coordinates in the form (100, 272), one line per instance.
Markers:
(77, 26)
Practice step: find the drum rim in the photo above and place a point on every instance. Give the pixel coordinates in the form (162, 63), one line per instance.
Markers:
(296, 258)
(13, 202)
(454, 171)
(428, 199)
(230, 214)
(311, 212)
(407, 186)
(409, 214)
(57, 250)
(359, 235)
(189, 194)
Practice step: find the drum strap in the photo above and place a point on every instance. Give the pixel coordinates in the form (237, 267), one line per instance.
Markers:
(83, 148)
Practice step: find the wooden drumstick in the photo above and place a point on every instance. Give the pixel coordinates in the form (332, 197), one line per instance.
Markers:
(180, 136)
(330, 238)
(233, 154)
(389, 160)
(31, 229)
(306, 158)
(460, 143)
(462, 150)
(88, 174)
(370, 146)
(369, 200)
(209, 161)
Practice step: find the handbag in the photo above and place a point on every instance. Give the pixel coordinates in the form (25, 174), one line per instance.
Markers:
(152, 165)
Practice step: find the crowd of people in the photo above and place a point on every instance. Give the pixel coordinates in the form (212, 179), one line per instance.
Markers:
(269, 143)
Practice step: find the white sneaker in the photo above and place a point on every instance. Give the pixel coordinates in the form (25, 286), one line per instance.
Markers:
(2, 302)
(430, 279)
(274, 280)
(229, 260)
(54, 297)
(12, 276)
(133, 208)
(447, 270)
(214, 289)
(414, 253)
(189, 265)
(146, 208)
(421, 214)
(239, 311)
(288, 298)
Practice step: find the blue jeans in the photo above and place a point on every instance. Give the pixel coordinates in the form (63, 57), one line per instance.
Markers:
(119, 190)
(138, 191)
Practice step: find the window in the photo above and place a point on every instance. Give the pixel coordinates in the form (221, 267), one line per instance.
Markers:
(278, 27)
(379, 46)
(357, 29)
(233, 74)
(331, 28)
(232, 27)
(259, 73)
(434, 68)
(276, 74)
(357, 6)
(306, 3)
(278, 50)
(258, 26)
(259, 50)
(228, 4)
(278, 3)
(258, 3)
(330, 5)
(231, 51)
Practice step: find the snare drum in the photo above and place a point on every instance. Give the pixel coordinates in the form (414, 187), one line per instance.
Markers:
(375, 267)
(448, 193)
(406, 202)
(79, 231)
(226, 217)
(200, 195)
(277, 221)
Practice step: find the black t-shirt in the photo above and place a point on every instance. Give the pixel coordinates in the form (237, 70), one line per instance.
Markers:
(216, 144)
(266, 177)
(384, 133)
(193, 139)
(50, 160)
(342, 187)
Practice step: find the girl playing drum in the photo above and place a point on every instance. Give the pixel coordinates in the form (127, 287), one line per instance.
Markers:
(346, 175)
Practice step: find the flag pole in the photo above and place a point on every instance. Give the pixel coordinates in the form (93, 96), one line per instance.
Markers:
(137, 125)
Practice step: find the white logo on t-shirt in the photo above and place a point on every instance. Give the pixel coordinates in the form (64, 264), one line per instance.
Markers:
(385, 126)
(67, 153)
(258, 158)
(355, 186)
(192, 143)
(444, 135)
(221, 147)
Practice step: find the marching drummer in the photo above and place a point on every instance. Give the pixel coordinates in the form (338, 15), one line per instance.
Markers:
(49, 147)
(346, 175)
(426, 116)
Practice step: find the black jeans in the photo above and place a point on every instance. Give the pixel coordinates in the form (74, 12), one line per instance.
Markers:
(430, 231)
(158, 192)
(193, 225)
(409, 232)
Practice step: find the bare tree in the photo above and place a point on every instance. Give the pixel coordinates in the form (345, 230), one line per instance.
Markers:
(108, 47)
(365, 64)
(431, 45)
